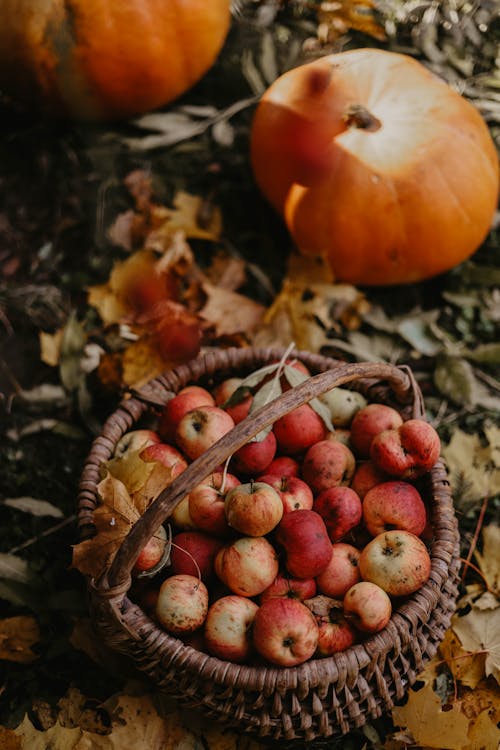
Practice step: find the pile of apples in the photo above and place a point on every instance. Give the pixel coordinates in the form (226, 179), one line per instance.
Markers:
(299, 546)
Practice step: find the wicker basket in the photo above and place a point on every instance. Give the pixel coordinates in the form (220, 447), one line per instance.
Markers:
(323, 697)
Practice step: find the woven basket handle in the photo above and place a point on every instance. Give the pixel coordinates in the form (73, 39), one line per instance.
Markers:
(400, 379)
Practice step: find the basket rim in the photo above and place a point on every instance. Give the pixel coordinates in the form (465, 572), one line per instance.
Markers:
(373, 650)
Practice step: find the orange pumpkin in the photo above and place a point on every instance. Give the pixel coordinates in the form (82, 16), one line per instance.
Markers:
(376, 165)
(98, 59)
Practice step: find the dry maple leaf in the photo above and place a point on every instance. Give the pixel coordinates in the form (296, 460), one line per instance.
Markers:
(479, 631)
(113, 520)
(337, 18)
(9, 740)
(429, 725)
(17, 635)
(230, 313)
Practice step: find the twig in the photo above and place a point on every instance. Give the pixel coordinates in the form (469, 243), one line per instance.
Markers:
(47, 532)
(476, 535)
(478, 571)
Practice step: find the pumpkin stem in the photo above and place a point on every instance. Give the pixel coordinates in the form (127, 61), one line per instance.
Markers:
(359, 117)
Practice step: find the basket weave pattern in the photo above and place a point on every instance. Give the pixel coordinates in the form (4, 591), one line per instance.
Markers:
(322, 697)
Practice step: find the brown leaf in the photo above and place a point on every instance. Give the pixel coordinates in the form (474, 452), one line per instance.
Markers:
(140, 362)
(230, 313)
(483, 733)
(429, 725)
(338, 18)
(17, 635)
(113, 520)
(50, 347)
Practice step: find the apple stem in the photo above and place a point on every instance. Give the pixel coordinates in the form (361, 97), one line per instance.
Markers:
(177, 546)
(359, 117)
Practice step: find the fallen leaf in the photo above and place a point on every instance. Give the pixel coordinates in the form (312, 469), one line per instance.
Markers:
(9, 739)
(187, 217)
(307, 313)
(140, 362)
(429, 725)
(50, 347)
(483, 733)
(337, 19)
(467, 668)
(479, 631)
(112, 299)
(14, 568)
(454, 378)
(230, 313)
(17, 635)
(482, 698)
(474, 473)
(489, 559)
(33, 506)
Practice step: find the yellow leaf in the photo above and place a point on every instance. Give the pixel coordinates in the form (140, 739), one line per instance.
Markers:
(50, 347)
(306, 312)
(489, 559)
(159, 478)
(479, 631)
(130, 470)
(192, 219)
(483, 734)
(141, 362)
(466, 668)
(484, 697)
(111, 299)
(338, 18)
(429, 724)
(9, 739)
(17, 635)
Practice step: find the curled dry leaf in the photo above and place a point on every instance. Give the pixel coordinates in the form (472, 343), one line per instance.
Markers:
(17, 635)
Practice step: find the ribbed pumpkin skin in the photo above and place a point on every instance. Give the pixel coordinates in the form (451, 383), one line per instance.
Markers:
(99, 59)
(396, 203)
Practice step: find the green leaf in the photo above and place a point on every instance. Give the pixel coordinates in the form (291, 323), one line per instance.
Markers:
(454, 378)
(417, 332)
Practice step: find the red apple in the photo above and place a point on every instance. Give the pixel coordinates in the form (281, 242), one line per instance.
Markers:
(394, 505)
(253, 509)
(189, 398)
(304, 539)
(366, 476)
(328, 463)
(297, 431)
(407, 451)
(135, 440)
(152, 552)
(367, 607)
(368, 422)
(182, 604)
(247, 566)
(200, 428)
(254, 457)
(206, 503)
(341, 510)
(294, 492)
(335, 632)
(397, 561)
(291, 588)
(283, 466)
(285, 632)
(224, 390)
(342, 571)
(166, 455)
(193, 553)
(227, 630)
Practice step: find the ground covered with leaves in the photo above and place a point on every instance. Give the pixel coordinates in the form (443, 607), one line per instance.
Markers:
(86, 209)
